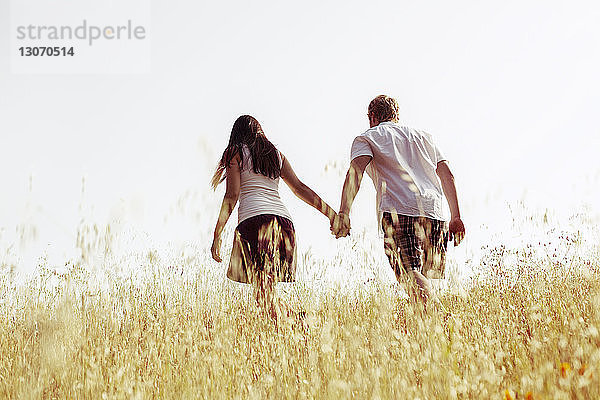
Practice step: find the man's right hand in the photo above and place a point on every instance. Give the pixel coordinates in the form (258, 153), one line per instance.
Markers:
(457, 230)
(340, 227)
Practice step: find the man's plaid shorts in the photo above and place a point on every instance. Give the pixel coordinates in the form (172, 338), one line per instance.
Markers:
(415, 243)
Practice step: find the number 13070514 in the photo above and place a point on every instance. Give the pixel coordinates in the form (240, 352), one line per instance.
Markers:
(46, 51)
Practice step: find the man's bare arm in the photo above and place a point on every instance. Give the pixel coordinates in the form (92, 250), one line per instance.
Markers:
(351, 185)
(456, 227)
(352, 182)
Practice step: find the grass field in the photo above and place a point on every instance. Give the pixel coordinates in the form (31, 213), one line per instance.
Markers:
(528, 330)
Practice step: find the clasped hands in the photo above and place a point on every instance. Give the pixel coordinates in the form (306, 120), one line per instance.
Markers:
(340, 225)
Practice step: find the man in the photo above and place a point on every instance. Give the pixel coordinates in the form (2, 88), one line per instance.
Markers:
(411, 177)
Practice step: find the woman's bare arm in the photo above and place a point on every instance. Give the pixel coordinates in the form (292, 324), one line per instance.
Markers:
(230, 199)
(304, 192)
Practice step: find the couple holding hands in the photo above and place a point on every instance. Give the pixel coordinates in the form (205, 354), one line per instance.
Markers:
(411, 176)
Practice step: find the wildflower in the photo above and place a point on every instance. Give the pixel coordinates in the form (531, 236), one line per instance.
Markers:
(507, 395)
(529, 396)
(564, 369)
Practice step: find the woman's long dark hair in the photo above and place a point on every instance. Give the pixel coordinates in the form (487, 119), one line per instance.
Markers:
(265, 160)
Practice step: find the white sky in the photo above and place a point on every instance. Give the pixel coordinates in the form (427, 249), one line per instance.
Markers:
(509, 89)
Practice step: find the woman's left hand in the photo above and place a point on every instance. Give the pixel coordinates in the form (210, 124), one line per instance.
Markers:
(216, 249)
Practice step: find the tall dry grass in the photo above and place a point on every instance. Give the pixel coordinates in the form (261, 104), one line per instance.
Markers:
(531, 332)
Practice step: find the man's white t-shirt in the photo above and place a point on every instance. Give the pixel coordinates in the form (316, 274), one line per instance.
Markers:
(403, 170)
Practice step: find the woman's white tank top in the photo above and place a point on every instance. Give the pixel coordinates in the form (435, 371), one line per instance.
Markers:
(259, 194)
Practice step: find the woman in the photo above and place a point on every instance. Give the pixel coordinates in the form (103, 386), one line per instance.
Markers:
(264, 248)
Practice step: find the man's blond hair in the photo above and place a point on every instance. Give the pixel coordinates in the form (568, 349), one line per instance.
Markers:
(384, 108)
